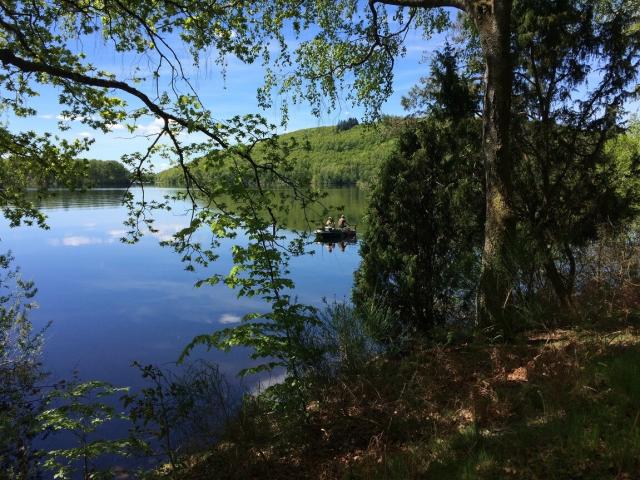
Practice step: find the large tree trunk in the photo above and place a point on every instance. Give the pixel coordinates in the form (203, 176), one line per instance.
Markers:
(493, 19)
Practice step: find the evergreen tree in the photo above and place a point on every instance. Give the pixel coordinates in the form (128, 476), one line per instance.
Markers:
(567, 184)
(346, 124)
(422, 248)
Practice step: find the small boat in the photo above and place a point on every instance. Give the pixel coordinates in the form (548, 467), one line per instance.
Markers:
(328, 234)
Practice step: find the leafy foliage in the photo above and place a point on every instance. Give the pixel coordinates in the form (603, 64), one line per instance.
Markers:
(421, 251)
(107, 173)
(79, 408)
(568, 183)
(20, 373)
(319, 157)
(446, 92)
(568, 179)
(38, 51)
(38, 162)
(229, 167)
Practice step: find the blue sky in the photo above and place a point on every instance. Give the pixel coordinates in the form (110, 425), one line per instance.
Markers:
(225, 95)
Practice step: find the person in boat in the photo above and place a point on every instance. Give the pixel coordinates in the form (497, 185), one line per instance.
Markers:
(329, 223)
(342, 222)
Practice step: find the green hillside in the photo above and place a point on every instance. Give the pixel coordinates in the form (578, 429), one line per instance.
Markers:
(106, 173)
(324, 156)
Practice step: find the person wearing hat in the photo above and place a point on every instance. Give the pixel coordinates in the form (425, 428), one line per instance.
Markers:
(329, 223)
(342, 222)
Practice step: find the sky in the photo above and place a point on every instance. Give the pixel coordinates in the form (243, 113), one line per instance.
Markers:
(225, 95)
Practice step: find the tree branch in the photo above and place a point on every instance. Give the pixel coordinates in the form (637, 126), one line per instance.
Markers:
(8, 57)
(459, 4)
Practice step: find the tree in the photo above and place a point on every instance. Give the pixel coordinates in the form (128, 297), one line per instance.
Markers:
(568, 185)
(30, 160)
(346, 124)
(365, 44)
(420, 252)
(568, 102)
(107, 173)
(41, 45)
(348, 39)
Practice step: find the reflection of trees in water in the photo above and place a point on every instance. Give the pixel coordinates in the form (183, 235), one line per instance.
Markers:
(20, 372)
(348, 200)
(351, 201)
(95, 198)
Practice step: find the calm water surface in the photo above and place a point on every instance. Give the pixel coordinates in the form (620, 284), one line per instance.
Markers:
(111, 303)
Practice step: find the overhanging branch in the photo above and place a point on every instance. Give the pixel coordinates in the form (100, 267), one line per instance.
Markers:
(459, 4)
(7, 57)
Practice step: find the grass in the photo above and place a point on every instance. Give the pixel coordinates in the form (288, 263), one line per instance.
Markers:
(557, 405)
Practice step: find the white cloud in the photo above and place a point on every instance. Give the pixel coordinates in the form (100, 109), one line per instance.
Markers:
(85, 135)
(47, 116)
(117, 234)
(152, 128)
(166, 231)
(228, 318)
(76, 241)
(116, 126)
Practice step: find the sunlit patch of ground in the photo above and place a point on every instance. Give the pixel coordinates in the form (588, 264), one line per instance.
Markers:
(563, 404)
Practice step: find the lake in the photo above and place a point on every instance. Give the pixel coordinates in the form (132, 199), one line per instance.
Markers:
(111, 303)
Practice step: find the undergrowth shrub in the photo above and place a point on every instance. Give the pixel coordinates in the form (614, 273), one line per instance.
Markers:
(606, 285)
(347, 338)
(180, 413)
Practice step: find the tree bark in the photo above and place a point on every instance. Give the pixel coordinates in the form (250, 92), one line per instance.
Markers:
(492, 18)
(562, 288)
(493, 21)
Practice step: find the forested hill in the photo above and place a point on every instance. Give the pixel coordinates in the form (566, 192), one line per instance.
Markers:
(325, 156)
(106, 173)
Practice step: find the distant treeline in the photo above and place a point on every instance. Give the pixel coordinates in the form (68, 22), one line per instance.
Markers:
(87, 174)
(347, 124)
(323, 156)
(106, 173)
